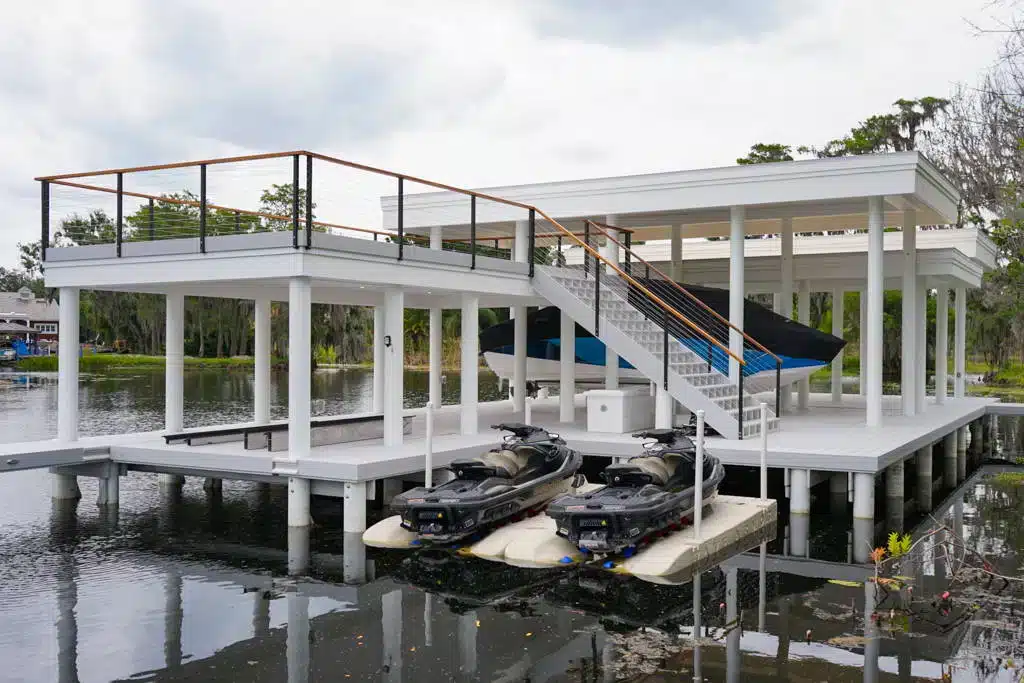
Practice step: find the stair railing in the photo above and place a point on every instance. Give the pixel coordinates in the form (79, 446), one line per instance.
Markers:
(758, 357)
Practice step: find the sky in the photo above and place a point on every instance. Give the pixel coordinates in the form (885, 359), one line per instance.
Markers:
(460, 91)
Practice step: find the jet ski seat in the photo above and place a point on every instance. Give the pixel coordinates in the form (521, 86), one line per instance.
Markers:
(503, 464)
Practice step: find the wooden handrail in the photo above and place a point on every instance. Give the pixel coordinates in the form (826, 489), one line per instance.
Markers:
(601, 228)
(165, 167)
(189, 202)
(668, 308)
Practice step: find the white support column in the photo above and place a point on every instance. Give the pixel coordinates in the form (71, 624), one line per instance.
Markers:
(876, 288)
(65, 486)
(261, 362)
(470, 362)
(921, 341)
(908, 384)
(435, 356)
(785, 307)
(394, 366)
(737, 286)
(299, 369)
(676, 243)
(863, 495)
(611, 252)
(924, 479)
(804, 312)
(299, 393)
(297, 640)
(950, 467)
(378, 359)
(519, 359)
(435, 334)
(837, 331)
(961, 453)
(960, 344)
(354, 507)
(800, 491)
(941, 343)
(663, 404)
(174, 363)
(862, 336)
(567, 371)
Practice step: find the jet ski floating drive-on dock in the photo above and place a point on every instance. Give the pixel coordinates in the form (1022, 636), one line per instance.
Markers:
(529, 468)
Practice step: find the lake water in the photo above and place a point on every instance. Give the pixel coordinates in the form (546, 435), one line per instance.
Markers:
(197, 589)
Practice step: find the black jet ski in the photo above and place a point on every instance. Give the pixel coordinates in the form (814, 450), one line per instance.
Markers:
(645, 494)
(529, 468)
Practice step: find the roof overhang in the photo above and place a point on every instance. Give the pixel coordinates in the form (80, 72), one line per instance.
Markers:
(818, 194)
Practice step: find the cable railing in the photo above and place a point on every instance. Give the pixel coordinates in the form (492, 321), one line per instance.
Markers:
(757, 358)
(689, 328)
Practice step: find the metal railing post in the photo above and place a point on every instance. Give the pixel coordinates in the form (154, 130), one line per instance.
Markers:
(664, 348)
(295, 201)
(629, 242)
(401, 217)
(472, 232)
(44, 205)
(533, 238)
(202, 209)
(152, 221)
(120, 212)
(586, 252)
(739, 398)
(778, 387)
(309, 201)
(597, 299)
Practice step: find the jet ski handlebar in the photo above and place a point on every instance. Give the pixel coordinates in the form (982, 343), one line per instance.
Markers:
(665, 436)
(519, 429)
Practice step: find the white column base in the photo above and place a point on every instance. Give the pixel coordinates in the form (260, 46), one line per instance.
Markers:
(567, 371)
(961, 453)
(951, 469)
(64, 487)
(108, 489)
(354, 511)
(799, 491)
(895, 481)
(298, 502)
(863, 495)
(924, 479)
(213, 484)
(170, 480)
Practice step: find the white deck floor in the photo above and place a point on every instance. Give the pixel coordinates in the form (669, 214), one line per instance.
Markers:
(826, 437)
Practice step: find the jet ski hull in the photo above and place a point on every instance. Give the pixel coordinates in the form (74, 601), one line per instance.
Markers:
(464, 506)
(613, 518)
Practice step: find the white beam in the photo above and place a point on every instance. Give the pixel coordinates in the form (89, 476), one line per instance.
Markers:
(908, 383)
(837, 331)
(875, 311)
(804, 313)
(519, 359)
(677, 253)
(174, 363)
(737, 238)
(394, 365)
(567, 370)
(65, 486)
(299, 370)
(960, 344)
(470, 362)
(941, 343)
(261, 362)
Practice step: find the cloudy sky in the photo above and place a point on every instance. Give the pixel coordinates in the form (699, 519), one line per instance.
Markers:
(464, 91)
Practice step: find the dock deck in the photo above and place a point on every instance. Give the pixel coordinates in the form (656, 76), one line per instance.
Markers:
(827, 437)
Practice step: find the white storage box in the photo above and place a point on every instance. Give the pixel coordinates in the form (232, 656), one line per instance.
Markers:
(619, 410)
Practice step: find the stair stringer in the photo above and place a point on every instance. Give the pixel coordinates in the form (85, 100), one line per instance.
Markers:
(649, 364)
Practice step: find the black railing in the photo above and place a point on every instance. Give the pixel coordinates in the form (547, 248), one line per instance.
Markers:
(119, 239)
(295, 201)
(202, 209)
(472, 231)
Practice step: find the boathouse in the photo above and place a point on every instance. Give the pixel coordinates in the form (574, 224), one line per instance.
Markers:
(610, 253)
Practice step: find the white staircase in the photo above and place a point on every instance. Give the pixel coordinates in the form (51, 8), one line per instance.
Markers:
(625, 330)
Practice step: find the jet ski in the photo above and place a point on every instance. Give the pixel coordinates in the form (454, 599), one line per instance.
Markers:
(529, 468)
(645, 494)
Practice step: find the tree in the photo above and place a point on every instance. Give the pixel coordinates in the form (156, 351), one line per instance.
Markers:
(763, 153)
(901, 131)
(278, 200)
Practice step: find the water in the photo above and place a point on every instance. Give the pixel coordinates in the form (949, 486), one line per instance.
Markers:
(197, 589)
